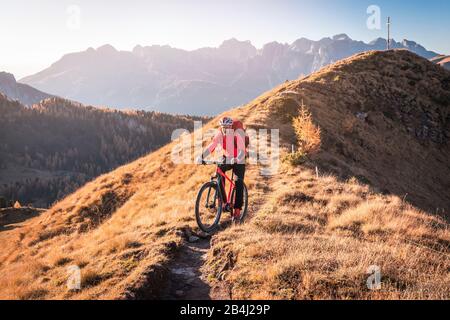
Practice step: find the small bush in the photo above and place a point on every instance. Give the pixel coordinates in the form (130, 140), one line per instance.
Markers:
(308, 134)
(295, 158)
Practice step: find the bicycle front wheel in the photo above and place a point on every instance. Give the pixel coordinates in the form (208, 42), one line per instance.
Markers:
(208, 207)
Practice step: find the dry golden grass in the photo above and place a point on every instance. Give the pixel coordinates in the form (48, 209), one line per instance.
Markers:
(314, 236)
(317, 237)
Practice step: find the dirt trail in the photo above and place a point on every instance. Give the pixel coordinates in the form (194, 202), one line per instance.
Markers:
(187, 279)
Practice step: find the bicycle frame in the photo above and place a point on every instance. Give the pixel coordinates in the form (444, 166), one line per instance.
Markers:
(225, 178)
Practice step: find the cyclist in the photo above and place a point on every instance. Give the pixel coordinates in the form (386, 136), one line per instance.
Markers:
(232, 139)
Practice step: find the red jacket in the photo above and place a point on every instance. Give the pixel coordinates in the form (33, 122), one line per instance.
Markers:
(232, 143)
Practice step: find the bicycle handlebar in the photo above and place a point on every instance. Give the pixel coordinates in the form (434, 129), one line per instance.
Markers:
(210, 162)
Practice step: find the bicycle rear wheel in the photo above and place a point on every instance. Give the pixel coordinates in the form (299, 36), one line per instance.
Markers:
(208, 207)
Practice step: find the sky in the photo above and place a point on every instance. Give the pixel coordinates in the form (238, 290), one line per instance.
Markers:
(34, 34)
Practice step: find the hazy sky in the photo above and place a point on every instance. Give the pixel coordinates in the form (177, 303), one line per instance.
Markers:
(34, 34)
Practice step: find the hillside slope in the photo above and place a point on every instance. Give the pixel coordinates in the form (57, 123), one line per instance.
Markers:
(385, 119)
(316, 234)
(52, 148)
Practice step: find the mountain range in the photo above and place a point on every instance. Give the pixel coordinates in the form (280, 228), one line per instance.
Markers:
(205, 81)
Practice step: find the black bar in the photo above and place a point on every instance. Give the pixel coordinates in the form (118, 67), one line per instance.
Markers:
(226, 309)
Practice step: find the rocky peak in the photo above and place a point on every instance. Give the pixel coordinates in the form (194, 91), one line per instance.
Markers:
(341, 37)
(107, 48)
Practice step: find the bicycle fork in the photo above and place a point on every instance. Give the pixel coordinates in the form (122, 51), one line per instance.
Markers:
(211, 205)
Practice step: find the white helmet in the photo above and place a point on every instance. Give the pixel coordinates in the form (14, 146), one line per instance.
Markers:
(226, 122)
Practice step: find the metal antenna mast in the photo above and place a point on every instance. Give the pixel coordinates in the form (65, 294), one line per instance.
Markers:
(389, 33)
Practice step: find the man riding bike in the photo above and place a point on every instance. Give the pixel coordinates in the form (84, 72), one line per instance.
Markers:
(233, 142)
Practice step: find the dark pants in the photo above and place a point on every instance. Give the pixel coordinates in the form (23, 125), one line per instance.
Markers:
(239, 172)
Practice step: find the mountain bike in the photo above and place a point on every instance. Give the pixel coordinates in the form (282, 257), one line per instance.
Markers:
(211, 202)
